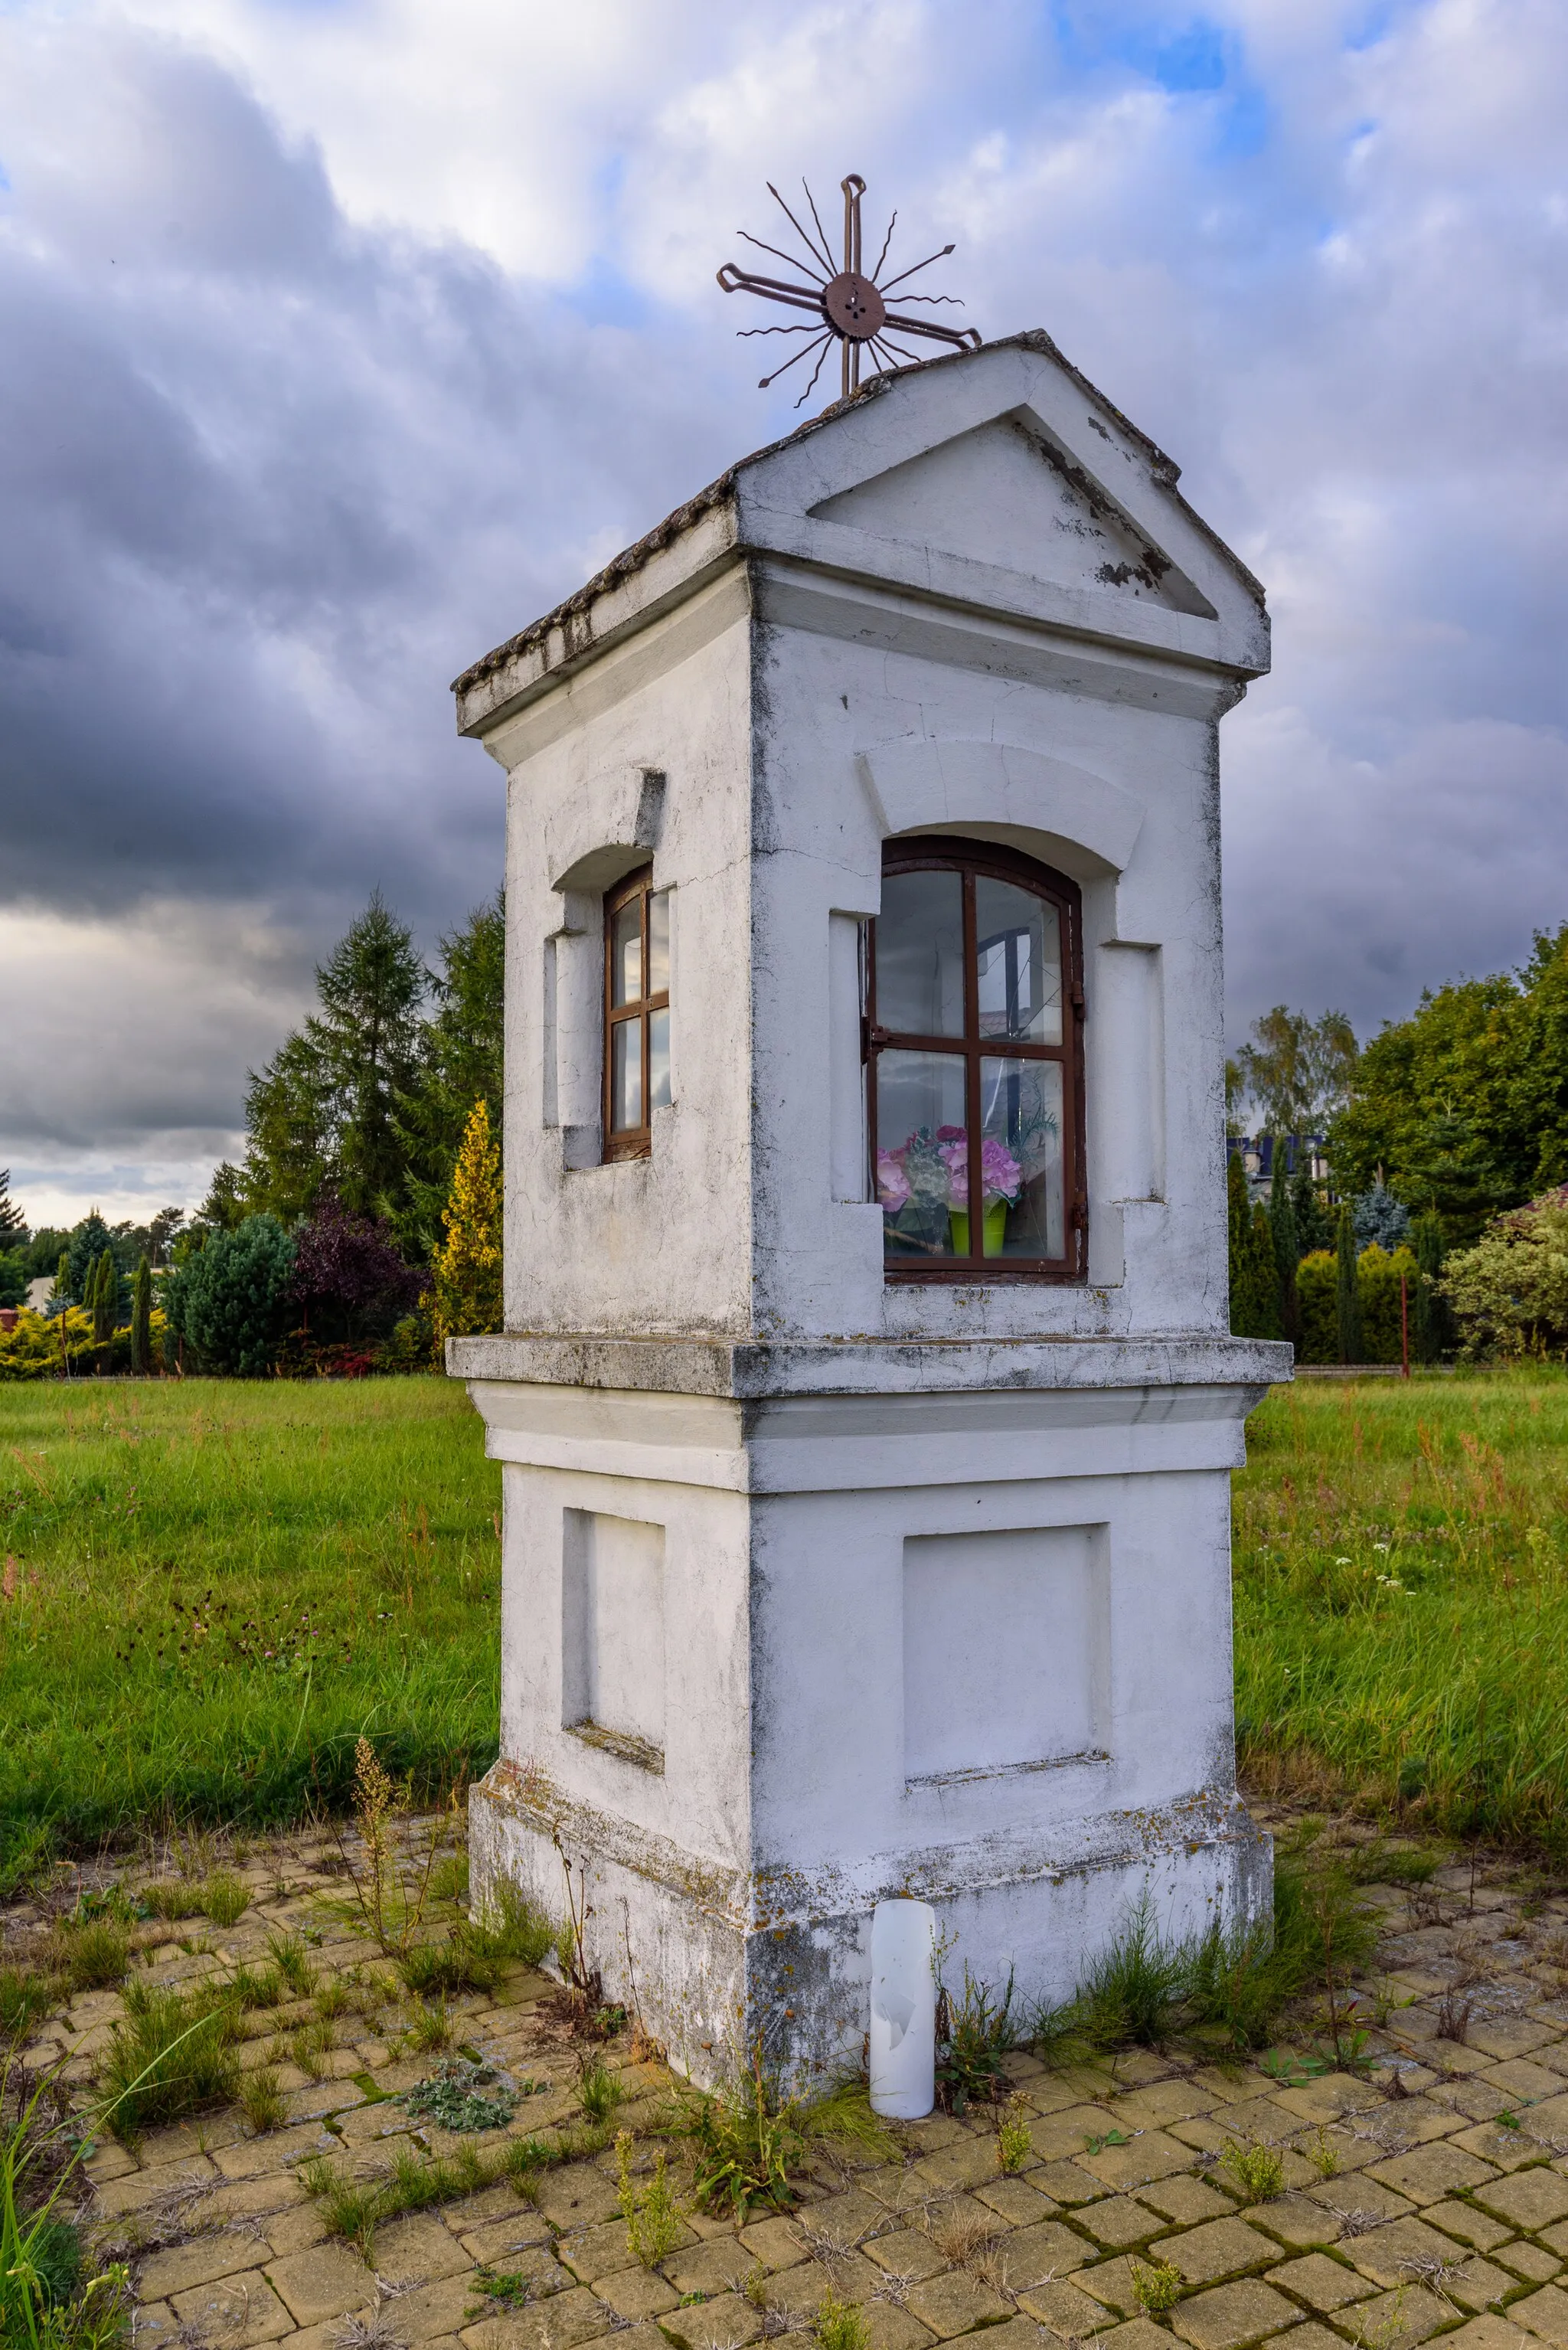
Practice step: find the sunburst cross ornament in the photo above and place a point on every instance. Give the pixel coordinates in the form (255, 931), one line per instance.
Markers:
(847, 305)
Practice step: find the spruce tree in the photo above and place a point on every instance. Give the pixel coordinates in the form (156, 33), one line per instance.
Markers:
(1239, 1225)
(13, 1223)
(1287, 1249)
(62, 1296)
(141, 1320)
(1432, 1321)
(466, 1294)
(1314, 1227)
(1347, 1296)
(1263, 1278)
(459, 1062)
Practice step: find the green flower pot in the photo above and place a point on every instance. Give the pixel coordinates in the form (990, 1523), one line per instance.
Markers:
(994, 1224)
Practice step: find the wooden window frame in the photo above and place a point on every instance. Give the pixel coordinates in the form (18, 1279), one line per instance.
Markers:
(632, 1141)
(948, 854)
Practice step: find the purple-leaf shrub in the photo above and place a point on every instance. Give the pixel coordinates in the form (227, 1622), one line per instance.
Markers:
(346, 1272)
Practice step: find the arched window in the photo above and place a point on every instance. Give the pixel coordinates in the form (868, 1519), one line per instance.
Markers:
(974, 1018)
(636, 1014)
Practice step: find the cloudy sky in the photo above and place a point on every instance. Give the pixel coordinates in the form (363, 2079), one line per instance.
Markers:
(339, 338)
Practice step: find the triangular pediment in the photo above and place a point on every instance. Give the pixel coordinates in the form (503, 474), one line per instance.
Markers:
(1006, 494)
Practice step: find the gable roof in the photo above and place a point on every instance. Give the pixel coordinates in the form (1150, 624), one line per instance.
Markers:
(782, 477)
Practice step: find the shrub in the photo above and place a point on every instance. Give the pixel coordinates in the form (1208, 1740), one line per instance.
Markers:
(1377, 1295)
(229, 1302)
(1509, 1293)
(348, 1277)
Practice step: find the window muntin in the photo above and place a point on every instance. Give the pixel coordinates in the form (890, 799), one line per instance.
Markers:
(636, 1014)
(972, 1032)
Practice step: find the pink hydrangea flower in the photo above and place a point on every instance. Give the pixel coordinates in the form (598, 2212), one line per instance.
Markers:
(892, 1183)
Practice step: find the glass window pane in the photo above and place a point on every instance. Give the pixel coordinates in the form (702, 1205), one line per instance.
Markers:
(1021, 1160)
(626, 1076)
(919, 1145)
(659, 942)
(659, 1060)
(920, 954)
(625, 955)
(1018, 939)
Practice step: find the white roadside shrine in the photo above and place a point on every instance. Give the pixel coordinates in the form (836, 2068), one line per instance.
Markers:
(863, 856)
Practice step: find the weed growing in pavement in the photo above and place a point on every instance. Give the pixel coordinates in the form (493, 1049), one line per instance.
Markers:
(172, 2054)
(1013, 2144)
(508, 2287)
(172, 1897)
(1323, 2157)
(745, 2143)
(599, 2091)
(311, 2045)
(843, 2117)
(224, 1898)
(429, 2029)
(1157, 2286)
(462, 2095)
(390, 1907)
(333, 2000)
(97, 1955)
(975, 2032)
(1456, 2010)
(841, 2324)
(262, 2101)
(653, 2225)
(1258, 2170)
(257, 1989)
(287, 1954)
(24, 1994)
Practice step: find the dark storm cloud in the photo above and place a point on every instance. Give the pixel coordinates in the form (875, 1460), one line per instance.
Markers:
(270, 481)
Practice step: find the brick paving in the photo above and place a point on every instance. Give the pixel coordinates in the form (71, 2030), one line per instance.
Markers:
(1425, 2195)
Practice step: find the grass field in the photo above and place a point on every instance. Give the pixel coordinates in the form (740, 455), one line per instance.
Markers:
(211, 1587)
(214, 1587)
(1401, 1565)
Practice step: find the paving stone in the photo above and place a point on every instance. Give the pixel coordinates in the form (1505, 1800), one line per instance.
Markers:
(1298, 2220)
(1017, 2201)
(240, 2311)
(594, 2252)
(775, 2242)
(1477, 2285)
(1392, 2321)
(1504, 2149)
(1431, 2172)
(137, 2188)
(800, 2291)
(1060, 2307)
(1327, 2098)
(1545, 2314)
(1470, 2225)
(419, 2246)
(1221, 2248)
(1321, 2284)
(1057, 2136)
(1389, 2255)
(1532, 2262)
(254, 2157)
(1049, 2249)
(1186, 2200)
(1119, 2221)
(954, 2304)
(846, 2220)
(1524, 2076)
(1154, 2154)
(1137, 2333)
(720, 2266)
(888, 2328)
(322, 2283)
(1160, 2103)
(576, 2196)
(507, 2248)
(1548, 2120)
(724, 2320)
(1509, 2035)
(163, 2274)
(558, 2324)
(970, 2162)
(1066, 2184)
(1530, 2199)
(1233, 2313)
(1556, 2239)
(637, 2294)
(1311, 2335)
(110, 2162)
(1489, 2333)
(1360, 2194)
(909, 2253)
(294, 2232)
(156, 2324)
(1110, 2283)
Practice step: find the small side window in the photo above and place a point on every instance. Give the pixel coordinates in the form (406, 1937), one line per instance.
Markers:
(636, 1014)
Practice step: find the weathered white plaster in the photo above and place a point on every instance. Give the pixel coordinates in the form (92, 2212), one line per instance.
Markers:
(818, 1589)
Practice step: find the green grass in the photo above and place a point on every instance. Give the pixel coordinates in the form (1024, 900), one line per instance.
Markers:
(221, 1583)
(1401, 1582)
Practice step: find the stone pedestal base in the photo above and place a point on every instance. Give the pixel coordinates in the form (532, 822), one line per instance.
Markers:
(787, 1631)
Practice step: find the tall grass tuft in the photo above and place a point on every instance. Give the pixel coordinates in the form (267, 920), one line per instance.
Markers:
(1401, 1582)
(172, 2054)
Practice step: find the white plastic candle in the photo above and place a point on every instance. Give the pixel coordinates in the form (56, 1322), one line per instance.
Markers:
(903, 2060)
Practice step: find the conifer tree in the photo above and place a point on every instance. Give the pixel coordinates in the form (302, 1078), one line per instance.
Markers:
(1432, 1322)
(1239, 1226)
(141, 1320)
(466, 1293)
(1287, 1249)
(62, 1296)
(103, 1297)
(1314, 1227)
(13, 1223)
(1347, 1295)
(1263, 1278)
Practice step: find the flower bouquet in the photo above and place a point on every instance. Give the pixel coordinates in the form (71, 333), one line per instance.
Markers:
(923, 1190)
